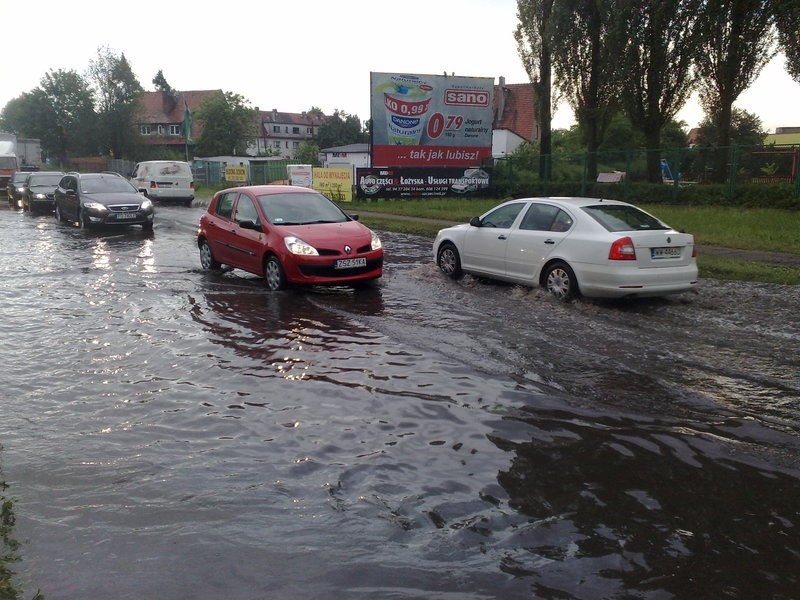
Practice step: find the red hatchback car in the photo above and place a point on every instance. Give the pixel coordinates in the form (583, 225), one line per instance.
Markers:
(288, 235)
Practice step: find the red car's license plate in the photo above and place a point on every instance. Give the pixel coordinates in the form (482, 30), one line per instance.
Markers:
(350, 263)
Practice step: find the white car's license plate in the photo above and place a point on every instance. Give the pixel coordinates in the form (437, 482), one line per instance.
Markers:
(350, 263)
(671, 252)
(130, 215)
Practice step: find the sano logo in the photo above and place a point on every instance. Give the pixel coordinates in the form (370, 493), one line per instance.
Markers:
(467, 97)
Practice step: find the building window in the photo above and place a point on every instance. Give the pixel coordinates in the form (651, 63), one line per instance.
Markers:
(175, 130)
(277, 144)
(144, 129)
(276, 129)
(160, 130)
(296, 145)
(296, 130)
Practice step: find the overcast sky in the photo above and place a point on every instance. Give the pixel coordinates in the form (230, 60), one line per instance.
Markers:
(294, 55)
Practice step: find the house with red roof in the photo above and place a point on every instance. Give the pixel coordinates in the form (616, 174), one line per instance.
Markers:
(514, 121)
(160, 117)
(282, 133)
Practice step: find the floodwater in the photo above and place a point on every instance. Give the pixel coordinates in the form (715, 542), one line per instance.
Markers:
(169, 433)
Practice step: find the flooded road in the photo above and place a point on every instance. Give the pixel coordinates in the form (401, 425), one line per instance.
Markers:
(170, 433)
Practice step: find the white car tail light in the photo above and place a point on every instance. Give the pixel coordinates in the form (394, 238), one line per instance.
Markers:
(622, 249)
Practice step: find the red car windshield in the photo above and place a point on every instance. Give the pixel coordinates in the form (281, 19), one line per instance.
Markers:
(300, 209)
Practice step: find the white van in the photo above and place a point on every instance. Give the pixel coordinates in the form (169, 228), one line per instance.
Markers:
(165, 180)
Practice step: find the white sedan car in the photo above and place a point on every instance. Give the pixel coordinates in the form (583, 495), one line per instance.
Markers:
(571, 246)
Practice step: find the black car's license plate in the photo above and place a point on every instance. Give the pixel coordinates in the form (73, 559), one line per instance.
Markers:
(126, 215)
(350, 263)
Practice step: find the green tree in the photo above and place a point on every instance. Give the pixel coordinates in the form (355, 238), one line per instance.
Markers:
(787, 20)
(161, 82)
(586, 45)
(228, 124)
(662, 42)
(534, 44)
(118, 94)
(60, 113)
(308, 154)
(70, 101)
(746, 130)
(737, 41)
(340, 130)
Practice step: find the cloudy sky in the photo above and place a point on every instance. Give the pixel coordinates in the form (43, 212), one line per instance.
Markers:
(291, 56)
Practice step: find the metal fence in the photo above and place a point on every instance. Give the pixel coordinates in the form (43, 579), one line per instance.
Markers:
(686, 171)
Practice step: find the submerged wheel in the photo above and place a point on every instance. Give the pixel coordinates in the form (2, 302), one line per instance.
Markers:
(273, 274)
(59, 216)
(207, 260)
(449, 261)
(559, 279)
(83, 221)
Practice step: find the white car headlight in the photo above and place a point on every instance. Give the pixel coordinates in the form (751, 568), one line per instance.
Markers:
(147, 204)
(376, 242)
(94, 206)
(298, 246)
(40, 196)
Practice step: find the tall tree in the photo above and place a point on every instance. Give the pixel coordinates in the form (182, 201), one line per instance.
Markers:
(228, 124)
(161, 82)
(737, 41)
(60, 113)
(118, 94)
(586, 46)
(341, 129)
(71, 102)
(787, 19)
(662, 41)
(534, 44)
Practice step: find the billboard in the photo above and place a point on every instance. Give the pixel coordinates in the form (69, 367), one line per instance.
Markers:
(420, 181)
(430, 120)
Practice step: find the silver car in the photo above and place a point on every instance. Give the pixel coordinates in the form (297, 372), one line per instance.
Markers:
(572, 246)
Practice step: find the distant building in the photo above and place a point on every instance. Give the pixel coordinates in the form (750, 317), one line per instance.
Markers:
(352, 155)
(284, 132)
(160, 117)
(514, 121)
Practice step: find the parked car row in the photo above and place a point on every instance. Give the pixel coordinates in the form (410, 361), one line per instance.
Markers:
(295, 235)
(88, 199)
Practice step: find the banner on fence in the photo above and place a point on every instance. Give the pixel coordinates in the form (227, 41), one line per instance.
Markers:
(410, 182)
(336, 184)
(238, 174)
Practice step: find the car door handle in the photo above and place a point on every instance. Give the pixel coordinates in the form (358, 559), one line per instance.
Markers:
(501, 236)
(549, 241)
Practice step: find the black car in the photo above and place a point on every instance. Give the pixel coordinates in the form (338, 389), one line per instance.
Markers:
(39, 193)
(100, 199)
(16, 188)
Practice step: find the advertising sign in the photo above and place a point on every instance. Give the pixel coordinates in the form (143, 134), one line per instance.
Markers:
(412, 182)
(299, 175)
(336, 184)
(236, 174)
(430, 120)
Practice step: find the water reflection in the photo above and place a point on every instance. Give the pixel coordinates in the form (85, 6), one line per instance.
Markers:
(615, 524)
